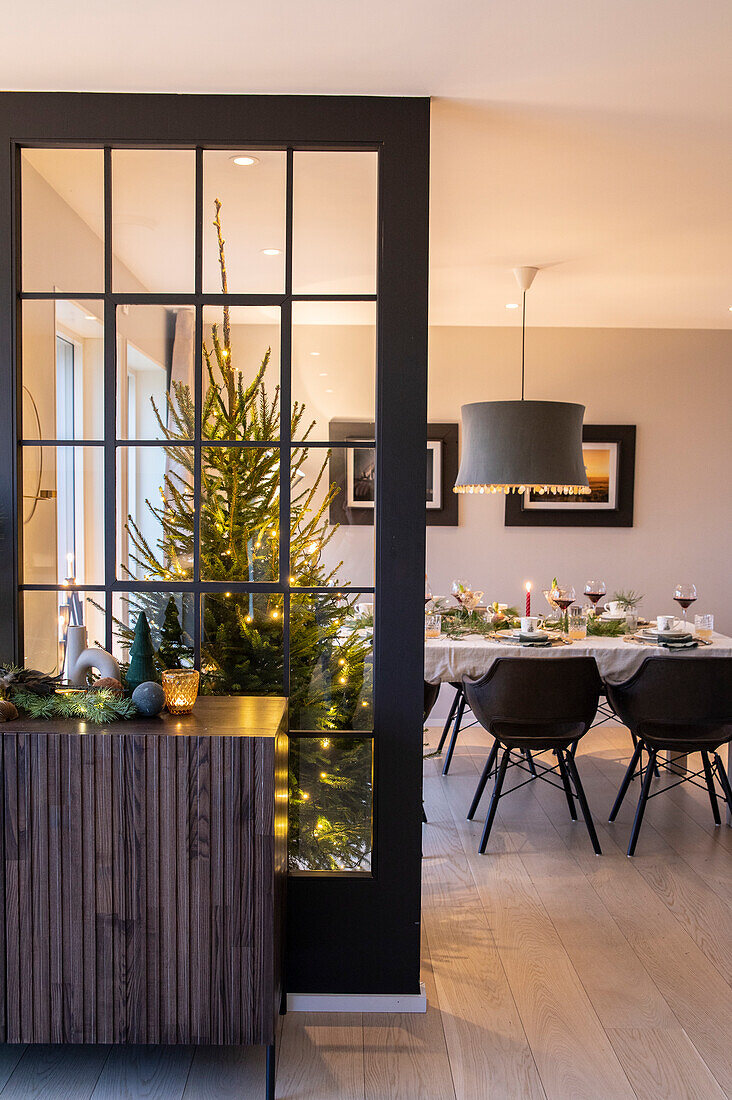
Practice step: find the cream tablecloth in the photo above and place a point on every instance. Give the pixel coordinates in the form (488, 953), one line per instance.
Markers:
(446, 660)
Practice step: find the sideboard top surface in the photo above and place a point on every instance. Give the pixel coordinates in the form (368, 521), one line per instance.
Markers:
(213, 716)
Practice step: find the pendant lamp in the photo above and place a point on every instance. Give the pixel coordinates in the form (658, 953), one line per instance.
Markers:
(512, 446)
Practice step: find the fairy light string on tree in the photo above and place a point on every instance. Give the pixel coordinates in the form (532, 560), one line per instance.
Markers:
(242, 636)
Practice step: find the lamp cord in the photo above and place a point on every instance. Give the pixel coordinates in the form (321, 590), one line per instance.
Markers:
(523, 340)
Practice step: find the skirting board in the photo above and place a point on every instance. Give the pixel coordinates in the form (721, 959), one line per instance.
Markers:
(358, 1002)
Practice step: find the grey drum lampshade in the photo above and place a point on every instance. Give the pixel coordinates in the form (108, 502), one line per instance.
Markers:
(517, 445)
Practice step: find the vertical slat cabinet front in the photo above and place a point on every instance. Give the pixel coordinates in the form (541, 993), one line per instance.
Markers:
(142, 886)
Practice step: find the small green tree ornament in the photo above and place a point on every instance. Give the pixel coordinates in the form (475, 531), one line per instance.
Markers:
(142, 655)
(172, 649)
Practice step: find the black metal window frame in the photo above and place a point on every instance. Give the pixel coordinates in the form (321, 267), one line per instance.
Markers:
(373, 934)
(111, 444)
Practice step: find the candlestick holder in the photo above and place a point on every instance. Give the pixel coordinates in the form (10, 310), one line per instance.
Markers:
(181, 689)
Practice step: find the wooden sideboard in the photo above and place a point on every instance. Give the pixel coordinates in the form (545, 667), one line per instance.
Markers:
(143, 870)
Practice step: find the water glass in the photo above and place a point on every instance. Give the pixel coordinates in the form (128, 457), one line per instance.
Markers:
(577, 624)
(704, 627)
(432, 626)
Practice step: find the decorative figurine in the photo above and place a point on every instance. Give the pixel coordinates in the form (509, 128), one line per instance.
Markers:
(80, 658)
(142, 655)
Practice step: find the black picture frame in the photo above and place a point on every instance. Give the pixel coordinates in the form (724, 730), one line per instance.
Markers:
(623, 435)
(361, 433)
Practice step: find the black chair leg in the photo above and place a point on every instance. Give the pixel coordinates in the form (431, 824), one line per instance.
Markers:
(629, 774)
(424, 815)
(494, 800)
(451, 715)
(455, 732)
(530, 761)
(565, 782)
(271, 1069)
(709, 776)
(724, 780)
(483, 780)
(582, 799)
(641, 807)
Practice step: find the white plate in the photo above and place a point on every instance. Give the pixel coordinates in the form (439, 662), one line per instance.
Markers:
(653, 635)
(531, 635)
(612, 618)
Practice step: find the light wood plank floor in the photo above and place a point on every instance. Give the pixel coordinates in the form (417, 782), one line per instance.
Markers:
(551, 973)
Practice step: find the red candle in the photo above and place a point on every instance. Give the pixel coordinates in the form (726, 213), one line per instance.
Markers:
(528, 598)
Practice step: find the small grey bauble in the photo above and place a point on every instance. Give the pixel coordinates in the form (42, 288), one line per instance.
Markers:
(149, 698)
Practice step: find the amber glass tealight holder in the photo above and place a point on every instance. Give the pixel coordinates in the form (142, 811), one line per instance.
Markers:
(181, 689)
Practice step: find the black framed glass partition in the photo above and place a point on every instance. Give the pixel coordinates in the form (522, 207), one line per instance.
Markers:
(186, 314)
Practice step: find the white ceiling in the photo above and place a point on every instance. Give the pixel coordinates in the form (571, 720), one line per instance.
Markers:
(589, 137)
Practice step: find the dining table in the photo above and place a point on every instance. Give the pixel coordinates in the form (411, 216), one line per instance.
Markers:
(448, 660)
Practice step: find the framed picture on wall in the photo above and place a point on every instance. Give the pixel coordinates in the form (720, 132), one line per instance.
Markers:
(609, 455)
(353, 470)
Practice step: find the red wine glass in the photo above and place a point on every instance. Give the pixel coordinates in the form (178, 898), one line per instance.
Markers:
(595, 590)
(563, 596)
(685, 596)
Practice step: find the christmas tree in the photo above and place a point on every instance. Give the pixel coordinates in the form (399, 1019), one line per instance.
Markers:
(142, 655)
(242, 633)
(173, 652)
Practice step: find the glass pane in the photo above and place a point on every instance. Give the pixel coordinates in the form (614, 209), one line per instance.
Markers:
(334, 223)
(331, 804)
(155, 362)
(63, 370)
(170, 616)
(62, 211)
(241, 644)
(46, 618)
(332, 517)
(63, 515)
(240, 514)
(241, 372)
(331, 662)
(333, 364)
(153, 220)
(251, 187)
(154, 513)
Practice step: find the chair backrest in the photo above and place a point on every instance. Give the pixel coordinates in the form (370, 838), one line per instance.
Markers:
(431, 691)
(542, 688)
(679, 690)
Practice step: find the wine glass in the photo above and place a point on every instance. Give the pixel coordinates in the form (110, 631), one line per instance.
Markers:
(595, 590)
(563, 596)
(685, 595)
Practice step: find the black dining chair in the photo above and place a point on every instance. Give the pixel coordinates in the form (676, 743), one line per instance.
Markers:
(431, 691)
(679, 704)
(535, 706)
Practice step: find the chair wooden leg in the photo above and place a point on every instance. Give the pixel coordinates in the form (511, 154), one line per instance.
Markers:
(494, 800)
(641, 807)
(455, 732)
(629, 774)
(451, 715)
(582, 799)
(724, 780)
(483, 780)
(565, 782)
(709, 776)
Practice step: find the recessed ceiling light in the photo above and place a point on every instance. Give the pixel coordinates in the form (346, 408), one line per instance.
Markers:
(512, 305)
(244, 160)
(272, 251)
(329, 391)
(89, 317)
(318, 353)
(324, 374)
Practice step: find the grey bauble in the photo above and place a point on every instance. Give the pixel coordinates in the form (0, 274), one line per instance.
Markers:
(149, 698)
